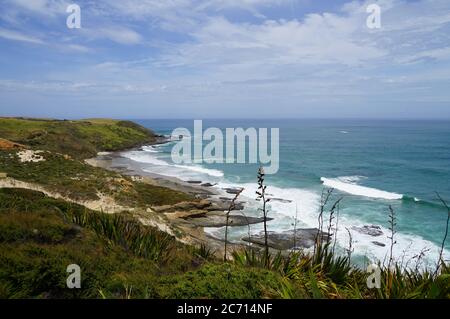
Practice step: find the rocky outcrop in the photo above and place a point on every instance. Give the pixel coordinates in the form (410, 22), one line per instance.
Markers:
(224, 205)
(187, 214)
(184, 206)
(304, 238)
(218, 219)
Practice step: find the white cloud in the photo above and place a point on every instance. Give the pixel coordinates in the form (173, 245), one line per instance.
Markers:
(435, 54)
(248, 5)
(121, 35)
(76, 48)
(209, 57)
(118, 34)
(45, 7)
(17, 36)
(79, 88)
(319, 39)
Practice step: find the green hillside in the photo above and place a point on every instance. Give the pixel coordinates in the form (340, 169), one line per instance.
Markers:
(79, 139)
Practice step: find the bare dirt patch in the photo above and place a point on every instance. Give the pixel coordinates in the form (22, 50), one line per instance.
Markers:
(8, 145)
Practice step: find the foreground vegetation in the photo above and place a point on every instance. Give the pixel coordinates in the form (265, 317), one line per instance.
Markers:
(121, 258)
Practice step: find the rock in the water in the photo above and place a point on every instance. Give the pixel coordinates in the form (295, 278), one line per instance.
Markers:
(208, 185)
(218, 219)
(304, 238)
(281, 200)
(371, 230)
(378, 243)
(194, 182)
(233, 191)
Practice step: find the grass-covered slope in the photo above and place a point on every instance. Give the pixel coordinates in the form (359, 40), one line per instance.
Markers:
(79, 139)
(79, 181)
(62, 146)
(118, 257)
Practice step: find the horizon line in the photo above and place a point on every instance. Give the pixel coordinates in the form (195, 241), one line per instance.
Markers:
(230, 118)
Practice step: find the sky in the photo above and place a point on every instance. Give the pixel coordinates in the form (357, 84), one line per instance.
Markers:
(225, 59)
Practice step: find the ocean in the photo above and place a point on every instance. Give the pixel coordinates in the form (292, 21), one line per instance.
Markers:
(372, 164)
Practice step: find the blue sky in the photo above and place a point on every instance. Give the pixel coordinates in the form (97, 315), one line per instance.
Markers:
(225, 59)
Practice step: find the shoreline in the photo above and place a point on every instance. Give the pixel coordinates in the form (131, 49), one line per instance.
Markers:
(195, 223)
(194, 228)
(370, 238)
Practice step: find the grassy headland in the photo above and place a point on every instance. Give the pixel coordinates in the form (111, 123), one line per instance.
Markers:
(63, 145)
(78, 139)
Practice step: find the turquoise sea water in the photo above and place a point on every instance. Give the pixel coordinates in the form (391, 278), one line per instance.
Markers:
(407, 160)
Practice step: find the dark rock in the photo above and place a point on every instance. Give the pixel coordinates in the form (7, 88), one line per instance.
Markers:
(281, 200)
(218, 219)
(208, 185)
(233, 191)
(378, 243)
(371, 230)
(304, 238)
(194, 182)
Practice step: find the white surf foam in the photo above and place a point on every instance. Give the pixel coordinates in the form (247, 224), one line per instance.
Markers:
(145, 157)
(358, 190)
(149, 157)
(201, 170)
(150, 149)
(306, 203)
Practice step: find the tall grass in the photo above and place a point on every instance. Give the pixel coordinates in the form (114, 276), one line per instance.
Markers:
(129, 233)
(441, 259)
(392, 224)
(227, 223)
(261, 196)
